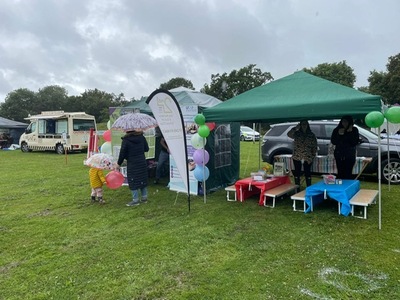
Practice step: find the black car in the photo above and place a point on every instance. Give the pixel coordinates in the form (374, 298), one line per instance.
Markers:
(276, 142)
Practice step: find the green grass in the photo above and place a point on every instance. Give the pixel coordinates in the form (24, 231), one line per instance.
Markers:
(55, 244)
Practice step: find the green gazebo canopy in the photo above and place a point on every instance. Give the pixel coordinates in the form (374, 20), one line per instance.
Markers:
(292, 98)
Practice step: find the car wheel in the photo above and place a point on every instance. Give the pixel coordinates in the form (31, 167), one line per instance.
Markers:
(391, 171)
(59, 149)
(242, 138)
(25, 148)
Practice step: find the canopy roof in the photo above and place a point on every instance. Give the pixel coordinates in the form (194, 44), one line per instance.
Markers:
(6, 123)
(184, 96)
(292, 98)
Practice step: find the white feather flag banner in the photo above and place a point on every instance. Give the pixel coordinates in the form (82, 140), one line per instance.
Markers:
(169, 117)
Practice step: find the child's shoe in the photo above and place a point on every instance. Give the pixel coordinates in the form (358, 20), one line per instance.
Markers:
(144, 200)
(133, 203)
(93, 199)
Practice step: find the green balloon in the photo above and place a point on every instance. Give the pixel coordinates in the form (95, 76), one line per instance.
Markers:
(393, 114)
(200, 119)
(203, 131)
(374, 119)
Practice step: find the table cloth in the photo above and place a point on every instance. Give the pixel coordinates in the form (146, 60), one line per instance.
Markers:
(339, 192)
(248, 187)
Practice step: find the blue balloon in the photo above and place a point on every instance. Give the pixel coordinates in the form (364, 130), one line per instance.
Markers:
(201, 173)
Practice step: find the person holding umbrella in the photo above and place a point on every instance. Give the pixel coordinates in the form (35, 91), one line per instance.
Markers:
(133, 147)
(97, 179)
(97, 163)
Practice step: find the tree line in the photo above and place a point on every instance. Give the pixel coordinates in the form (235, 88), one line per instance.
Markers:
(20, 103)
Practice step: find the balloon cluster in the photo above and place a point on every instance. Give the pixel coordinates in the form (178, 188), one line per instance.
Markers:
(114, 179)
(199, 140)
(106, 147)
(375, 119)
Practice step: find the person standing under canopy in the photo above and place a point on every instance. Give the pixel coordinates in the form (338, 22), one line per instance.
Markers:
(345, 137)
(304, 150)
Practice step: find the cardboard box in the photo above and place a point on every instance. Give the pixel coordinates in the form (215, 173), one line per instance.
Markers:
(258, 176)
(329, 179)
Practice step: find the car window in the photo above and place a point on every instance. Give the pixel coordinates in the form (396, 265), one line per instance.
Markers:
(316, 129)
(246, 129)
(329, 129)
(277, 130)
(369, 134)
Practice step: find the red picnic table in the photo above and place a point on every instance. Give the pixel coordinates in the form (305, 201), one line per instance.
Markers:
(248, 187)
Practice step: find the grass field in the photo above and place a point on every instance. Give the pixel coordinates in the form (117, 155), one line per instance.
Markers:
(55, 244)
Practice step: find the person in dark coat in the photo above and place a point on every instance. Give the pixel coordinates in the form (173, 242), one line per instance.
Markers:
(345, 137)
(133, 147)
(163, 159)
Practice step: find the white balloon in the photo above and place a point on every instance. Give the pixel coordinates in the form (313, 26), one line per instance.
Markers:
(106, 148)
(198, 142)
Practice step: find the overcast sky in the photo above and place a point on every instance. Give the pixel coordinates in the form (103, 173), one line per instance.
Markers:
(132, 46)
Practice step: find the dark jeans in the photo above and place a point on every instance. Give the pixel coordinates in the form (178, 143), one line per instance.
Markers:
(297, 171)
(345, 164)
(163, 159)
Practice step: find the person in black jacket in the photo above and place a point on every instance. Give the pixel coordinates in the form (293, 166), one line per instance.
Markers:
(345, 137)
(133, 147)
(163, 159)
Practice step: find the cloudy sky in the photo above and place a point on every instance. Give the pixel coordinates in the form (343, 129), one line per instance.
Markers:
(132, 46)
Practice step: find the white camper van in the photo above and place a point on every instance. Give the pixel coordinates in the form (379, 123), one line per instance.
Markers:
(57, 131)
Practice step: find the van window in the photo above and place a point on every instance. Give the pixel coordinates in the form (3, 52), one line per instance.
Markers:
(42, 126)
(31, 128)
(50, 126)
(83, 125)
(62, 126)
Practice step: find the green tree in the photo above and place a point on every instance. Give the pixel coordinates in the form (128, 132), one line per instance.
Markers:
(176, 82)
(120, 100)
(96, 103)
(337, 72)
(52, 97)
(18, 105)
(364, 89)
(225, 86)
(387, 84)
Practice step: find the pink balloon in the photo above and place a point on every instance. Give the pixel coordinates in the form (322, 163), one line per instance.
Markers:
(201, 157)
(107, 135)
(114, 179)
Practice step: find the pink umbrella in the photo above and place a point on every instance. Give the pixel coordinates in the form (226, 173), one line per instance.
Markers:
(134, 121)
(102, 161)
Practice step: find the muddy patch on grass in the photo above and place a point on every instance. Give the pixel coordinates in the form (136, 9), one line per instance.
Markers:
(6, 268)
(42, 213)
